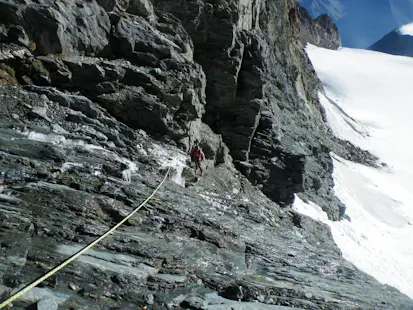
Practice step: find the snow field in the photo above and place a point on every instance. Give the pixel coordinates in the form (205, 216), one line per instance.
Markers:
(369, 101)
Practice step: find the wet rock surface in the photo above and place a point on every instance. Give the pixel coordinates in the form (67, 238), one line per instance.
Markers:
(95, 120)
(218, 243)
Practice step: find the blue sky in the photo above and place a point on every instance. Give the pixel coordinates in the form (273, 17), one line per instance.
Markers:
(363, 22)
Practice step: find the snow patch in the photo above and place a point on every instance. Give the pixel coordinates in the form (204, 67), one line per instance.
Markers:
(170, 158)
(407, 30)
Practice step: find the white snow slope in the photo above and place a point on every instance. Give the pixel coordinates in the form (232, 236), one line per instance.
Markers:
(370, 103)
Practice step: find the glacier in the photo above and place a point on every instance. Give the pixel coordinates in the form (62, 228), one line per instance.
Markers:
(368, 101)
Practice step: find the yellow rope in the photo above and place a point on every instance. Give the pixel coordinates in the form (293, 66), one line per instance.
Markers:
(76, 255)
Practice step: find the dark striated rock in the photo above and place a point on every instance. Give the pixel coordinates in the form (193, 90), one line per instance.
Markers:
(16, 34)
(79, 154)
(321, 31)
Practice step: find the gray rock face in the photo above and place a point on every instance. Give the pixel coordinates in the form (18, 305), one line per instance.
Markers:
(156, 87)
(321, 31)
(68, 27)
(85, 139)
(262, 95)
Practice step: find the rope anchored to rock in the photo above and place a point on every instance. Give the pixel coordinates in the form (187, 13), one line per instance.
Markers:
(76, 255)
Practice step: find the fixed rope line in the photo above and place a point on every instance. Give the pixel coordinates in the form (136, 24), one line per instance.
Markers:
(76, 255)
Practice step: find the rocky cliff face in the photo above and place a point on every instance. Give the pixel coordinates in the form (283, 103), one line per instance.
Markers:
(99, 98)
(321, 31)
(262, 95)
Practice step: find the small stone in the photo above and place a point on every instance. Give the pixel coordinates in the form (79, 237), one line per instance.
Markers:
(194, 302)
(44, 98)
(47, 304)
(15, 116)
(149, 299)
(260, 298)
(73, 287)
(308, 295)
(40, 112)
(59, 129)
(31, 228)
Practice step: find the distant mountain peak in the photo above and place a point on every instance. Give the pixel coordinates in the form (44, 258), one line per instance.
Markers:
(397, 42)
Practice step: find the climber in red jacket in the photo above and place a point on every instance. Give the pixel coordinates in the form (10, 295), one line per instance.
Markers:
(197, 155)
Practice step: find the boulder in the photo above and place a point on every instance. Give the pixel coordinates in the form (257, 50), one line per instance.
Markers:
(16, 34)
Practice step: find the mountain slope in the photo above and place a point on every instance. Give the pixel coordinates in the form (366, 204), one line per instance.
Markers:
(368, 102)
